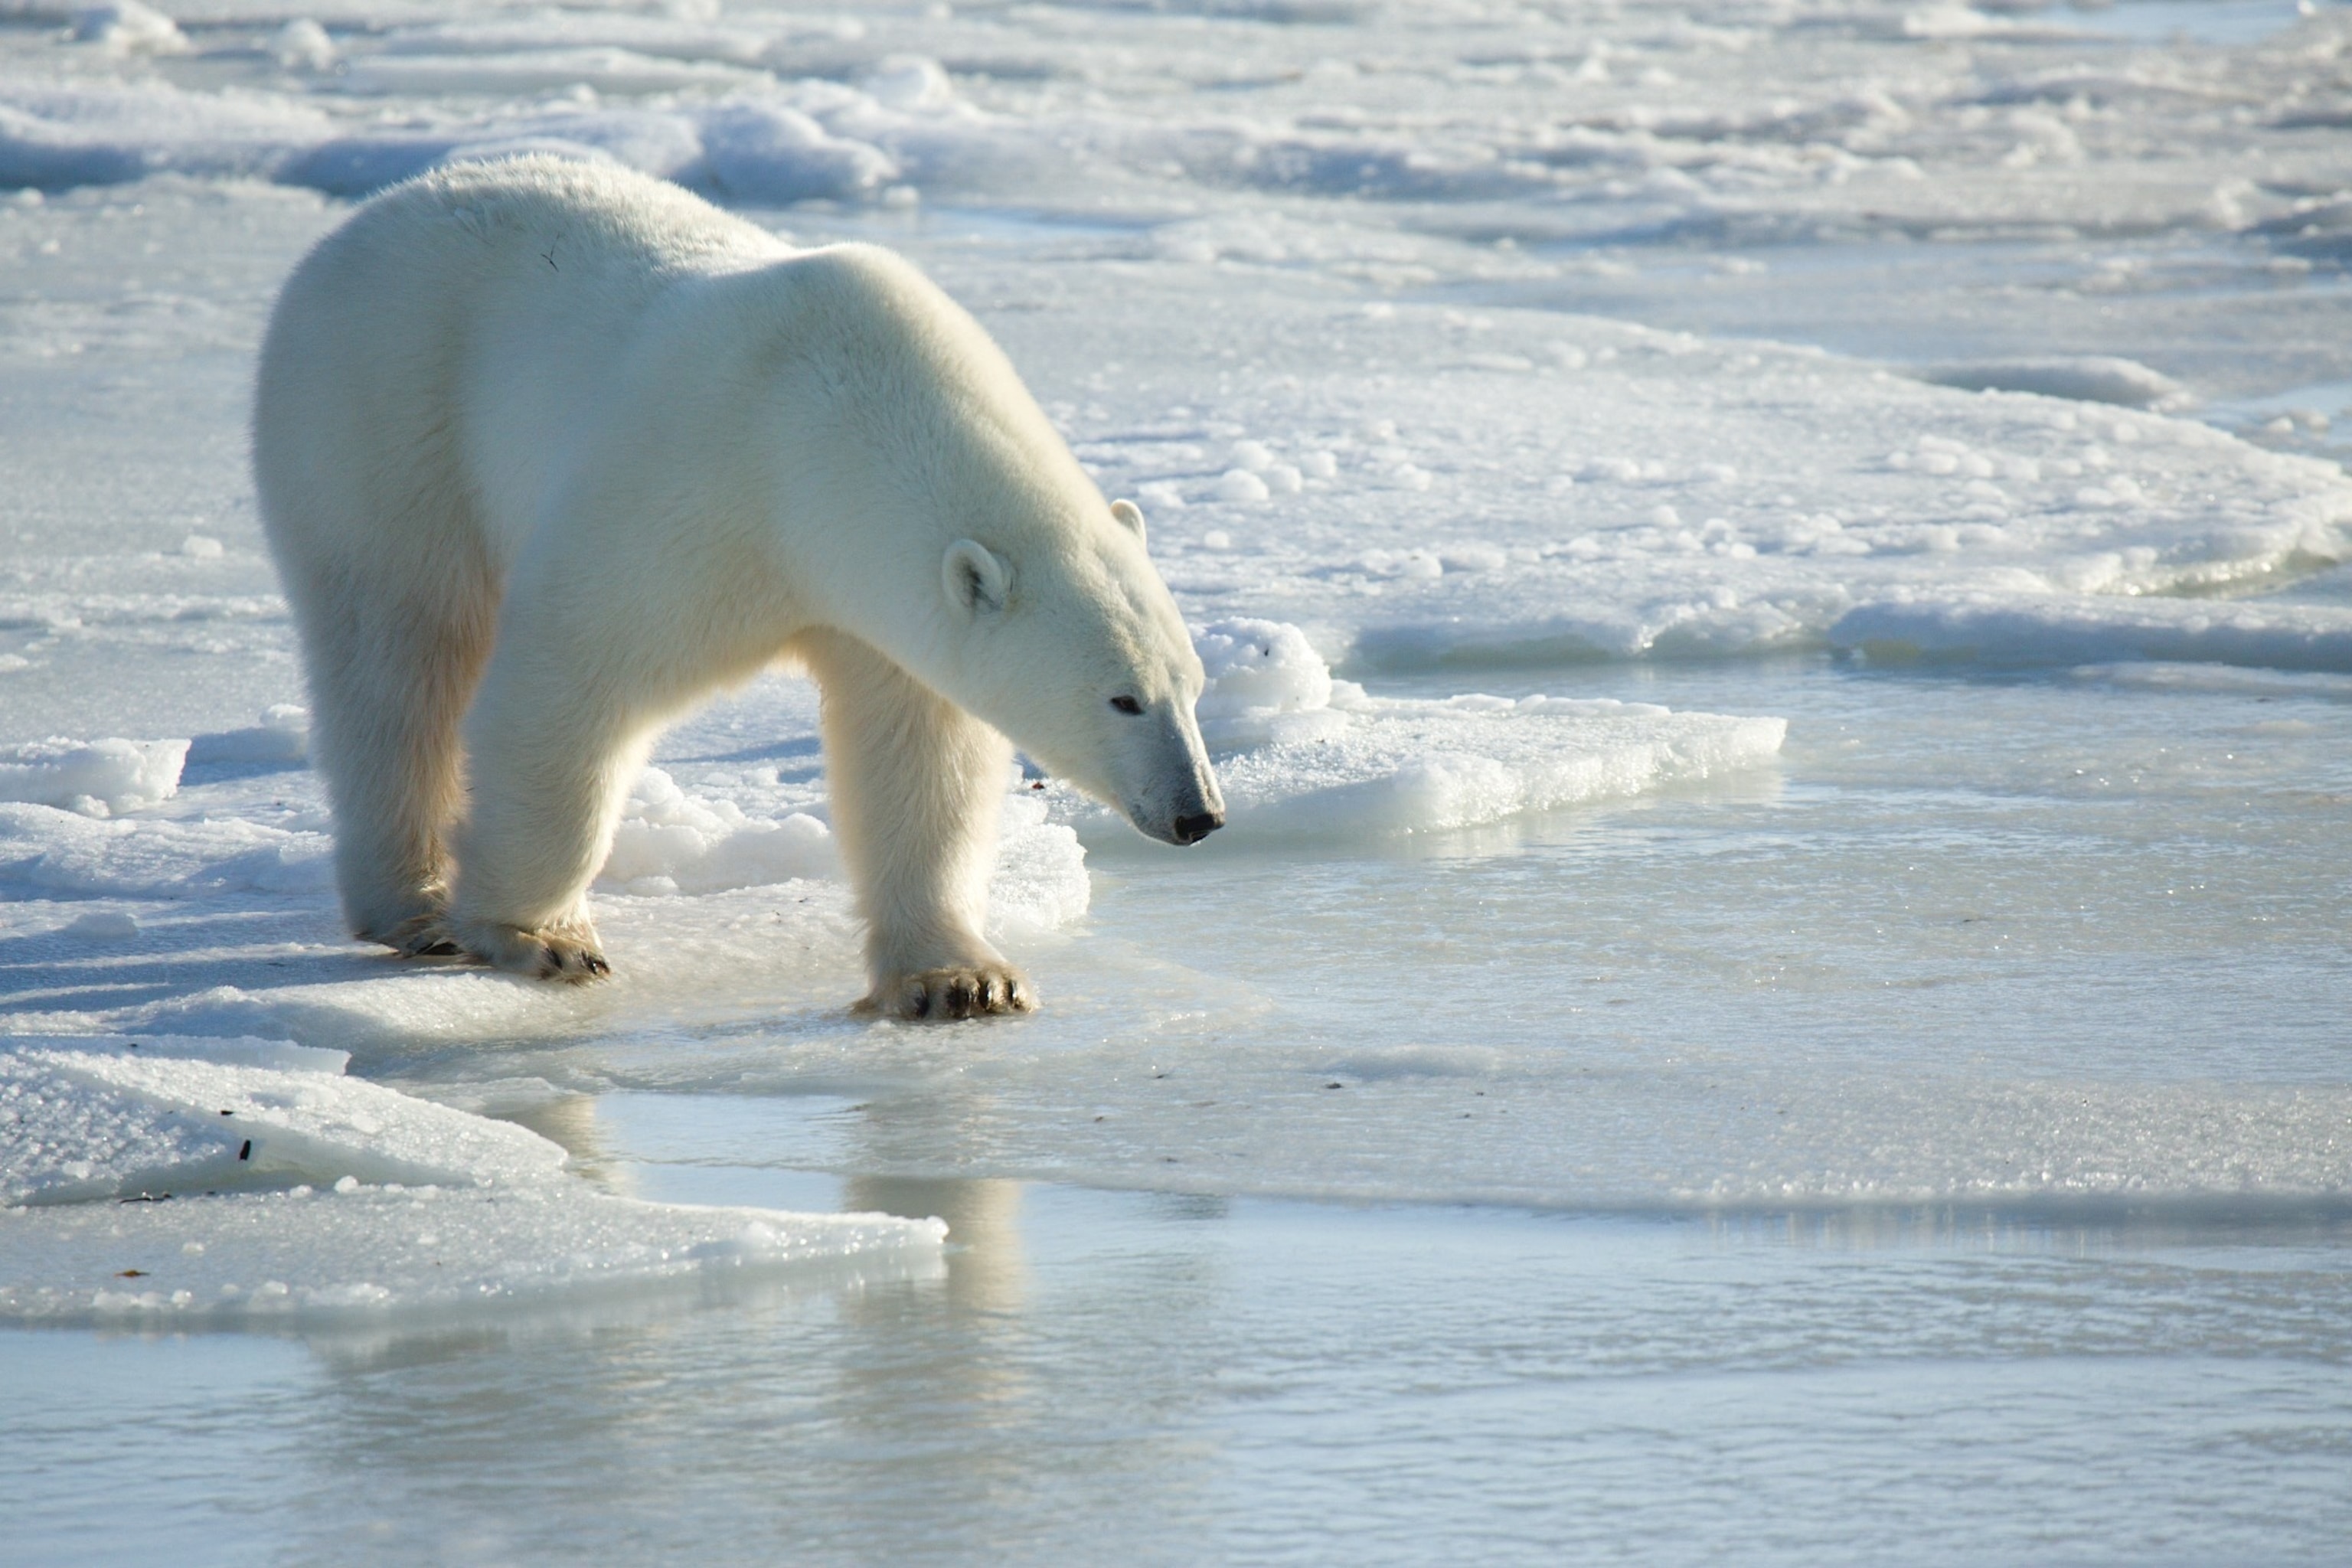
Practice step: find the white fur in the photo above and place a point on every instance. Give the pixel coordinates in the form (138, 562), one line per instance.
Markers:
(549, 450)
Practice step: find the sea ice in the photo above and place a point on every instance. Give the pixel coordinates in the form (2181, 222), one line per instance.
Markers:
(2091, 628)
(179, 1177)
(2094, 378)
(1298, 753)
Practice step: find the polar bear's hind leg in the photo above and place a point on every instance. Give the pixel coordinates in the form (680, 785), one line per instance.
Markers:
(394, 659)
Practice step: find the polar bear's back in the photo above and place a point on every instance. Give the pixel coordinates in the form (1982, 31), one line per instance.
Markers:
(462, 326)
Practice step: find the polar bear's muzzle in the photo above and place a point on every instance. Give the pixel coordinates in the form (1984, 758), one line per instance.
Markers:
(1177, 801)
(1198, 826)
(1188, 822)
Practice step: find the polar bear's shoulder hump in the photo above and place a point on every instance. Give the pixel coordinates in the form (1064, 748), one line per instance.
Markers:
(541, 194)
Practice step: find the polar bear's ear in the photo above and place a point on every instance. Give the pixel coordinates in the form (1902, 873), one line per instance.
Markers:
(1127, 512)
(976, 581)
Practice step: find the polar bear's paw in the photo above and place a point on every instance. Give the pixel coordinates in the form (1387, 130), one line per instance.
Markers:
(960, 990)
(424, 936)
(567, 951)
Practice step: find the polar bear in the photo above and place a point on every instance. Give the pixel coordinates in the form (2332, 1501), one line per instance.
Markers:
(548, 451)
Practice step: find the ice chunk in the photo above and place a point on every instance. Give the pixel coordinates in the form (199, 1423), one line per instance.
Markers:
(128, 1171)
(127, 28)
(910, 82)
(1041, 869)
(2094, 628)
(2094, 378)
(690, 845)
(96, 778)
(114, 1118)
(1257, 668)
(1397, 765)
(376, 1252)
(769, 153)
(302, 45)
(62, 852)
(101, 925)
(1298, 753)
(1240, 486)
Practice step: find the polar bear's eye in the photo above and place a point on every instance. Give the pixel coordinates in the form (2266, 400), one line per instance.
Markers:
(1127, 704)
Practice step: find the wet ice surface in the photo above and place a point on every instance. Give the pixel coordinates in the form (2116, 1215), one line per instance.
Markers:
(1774, 991)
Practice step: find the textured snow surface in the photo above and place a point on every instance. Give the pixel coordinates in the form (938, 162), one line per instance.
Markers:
(182, 1177)
(1614, 491)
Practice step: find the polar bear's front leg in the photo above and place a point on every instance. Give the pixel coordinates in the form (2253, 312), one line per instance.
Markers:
(916, 783)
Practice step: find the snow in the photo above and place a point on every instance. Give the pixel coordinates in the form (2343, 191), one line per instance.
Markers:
(96, 779)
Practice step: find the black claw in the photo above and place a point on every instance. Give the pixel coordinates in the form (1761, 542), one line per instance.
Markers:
(922, 1002)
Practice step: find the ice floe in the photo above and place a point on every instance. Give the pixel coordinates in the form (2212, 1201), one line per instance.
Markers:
(2090, 628)
(1298, 753)
(200, 1180)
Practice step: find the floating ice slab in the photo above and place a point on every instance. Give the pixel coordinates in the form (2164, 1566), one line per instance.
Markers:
(1394, 765)
(372, 1251)
(2097, 627)
(184, 1178)
(2090, 378)
(1299, 753)
(98, 1118)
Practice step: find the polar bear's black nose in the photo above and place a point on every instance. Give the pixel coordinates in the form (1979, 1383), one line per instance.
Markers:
(1192, 829)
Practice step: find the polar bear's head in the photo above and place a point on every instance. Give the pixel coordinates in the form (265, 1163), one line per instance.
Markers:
(938, 515)
(1074, 649)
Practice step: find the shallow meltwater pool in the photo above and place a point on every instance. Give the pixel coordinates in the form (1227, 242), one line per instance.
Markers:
(1929, 1147)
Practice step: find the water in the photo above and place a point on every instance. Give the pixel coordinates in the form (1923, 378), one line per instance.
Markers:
(1114, 1377)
